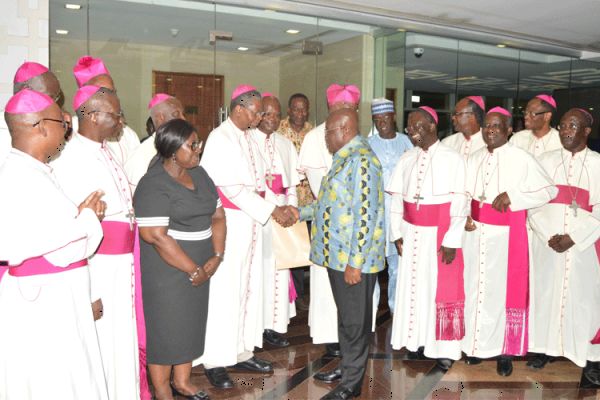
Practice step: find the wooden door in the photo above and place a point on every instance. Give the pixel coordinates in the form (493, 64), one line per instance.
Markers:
(201, 96)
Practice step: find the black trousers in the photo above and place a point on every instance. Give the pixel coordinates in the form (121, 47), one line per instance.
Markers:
(355, 318)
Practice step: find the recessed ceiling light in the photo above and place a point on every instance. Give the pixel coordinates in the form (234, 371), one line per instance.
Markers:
(242, 48)
(70, 6)
(591, 108)
(62, 32)
(501, 45)
(401, 30)
(292, 31)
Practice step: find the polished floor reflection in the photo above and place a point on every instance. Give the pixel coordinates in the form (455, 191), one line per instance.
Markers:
(391, 375)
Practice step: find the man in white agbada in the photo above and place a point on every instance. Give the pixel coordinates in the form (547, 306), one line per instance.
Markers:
(388, 145)
(235, 311)
(467, 119)
(503, 182)
(565, 303)
(92, 71)
(281, 162)
(538, 137)
(163, 108)
(87, 163)
(48, 342)
(428, 215)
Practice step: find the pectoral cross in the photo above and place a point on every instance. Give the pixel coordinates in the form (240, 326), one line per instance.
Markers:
(270, 178)
(131, 217)
(418, 197)
(574, 206)
(481, 199)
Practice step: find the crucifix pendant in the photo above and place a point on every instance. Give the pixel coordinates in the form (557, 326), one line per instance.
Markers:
(574, 206)
(418, 197)
(269, 178)
(481, 199)
(131, 217)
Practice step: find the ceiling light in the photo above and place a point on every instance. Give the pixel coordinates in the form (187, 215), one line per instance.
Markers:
(62, 32)
(501, 45)
(415, 99)
(242, 48)
(591, 108)
(69, 6)
(292, 31)
(401, 30)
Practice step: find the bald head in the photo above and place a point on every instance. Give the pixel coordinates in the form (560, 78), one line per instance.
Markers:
(340, 128)
(166, 111)
(100, 116)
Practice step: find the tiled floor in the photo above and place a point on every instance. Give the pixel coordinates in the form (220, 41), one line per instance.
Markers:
(390, 375)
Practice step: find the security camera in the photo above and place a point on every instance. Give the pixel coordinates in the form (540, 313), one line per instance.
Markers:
(418, 52)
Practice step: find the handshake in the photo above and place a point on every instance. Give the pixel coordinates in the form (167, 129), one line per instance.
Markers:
(286, 215)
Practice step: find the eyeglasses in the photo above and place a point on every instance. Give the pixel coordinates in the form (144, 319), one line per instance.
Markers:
(259, 114)
(569, 127)
(118, 115)
(417, 128)
(533, 114)
(492, 126)
(458, 114)
(335, 128)
(195, 145)
(64, 123)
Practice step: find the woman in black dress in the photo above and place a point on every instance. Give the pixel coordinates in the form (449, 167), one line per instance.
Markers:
(182, 227)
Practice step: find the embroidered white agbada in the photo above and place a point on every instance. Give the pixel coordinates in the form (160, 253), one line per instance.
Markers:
(235, 309)
(121, 147)
(82, 167)
(535, 146)
(464, 147)
(48, 342)
(435, 176)
(565, 300)
(512, 170)
(137, 164)
(281, 161)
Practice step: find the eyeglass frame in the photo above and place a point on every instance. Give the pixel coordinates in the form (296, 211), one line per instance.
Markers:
(458, 114)
(120, 115)
(533, 114)
(66, 125)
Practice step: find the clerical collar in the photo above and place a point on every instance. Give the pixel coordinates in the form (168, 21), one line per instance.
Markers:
(430, 148)
(471, 136)
(579, 154)
(85, 141)
(500, 148)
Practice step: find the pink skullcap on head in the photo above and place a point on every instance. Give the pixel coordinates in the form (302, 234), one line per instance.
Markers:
(500, 110)
(88, 67)
(431, 112)
(343, 93)
(241, 89)
(587, 114)
(28, 101)
(547, 98)
(158, 98)
(83, 94)
(477, 100)
(28, 70)
(267, 94)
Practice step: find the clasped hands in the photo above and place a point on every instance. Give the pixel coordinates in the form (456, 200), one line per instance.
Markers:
(285, 215)
(560, 243)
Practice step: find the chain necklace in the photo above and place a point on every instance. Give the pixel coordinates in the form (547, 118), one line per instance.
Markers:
(485, 184)
(573, 206)
(418, 196)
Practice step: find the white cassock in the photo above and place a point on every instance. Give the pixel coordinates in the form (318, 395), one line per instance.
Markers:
(83, 167)
(514, 171)
(235, 307)
(136, 165)
(535, 146)
(464, 147)
(5, 141)
(436, 176)
(123, 146)
(565, 302)
(48, 342)
(314, 162)
(281, 162)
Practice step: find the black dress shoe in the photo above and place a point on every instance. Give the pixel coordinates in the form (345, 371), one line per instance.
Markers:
(275, 338)
(219, 378)
(255, 365)
(504, 366)
(444, 363)
(341, 393)
(417, 355)
(200, 395)
(333, 350)
(472, 360)
(539, 361)
(329, 376)
(591, 371)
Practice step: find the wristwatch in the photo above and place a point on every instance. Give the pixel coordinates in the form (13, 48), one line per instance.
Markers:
(220, 255)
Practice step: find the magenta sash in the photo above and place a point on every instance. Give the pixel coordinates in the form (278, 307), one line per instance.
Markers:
(277, 185)
(228, 203)
(517, 285)
(450, 292)
(292, 294)
(41, 266)
(118, 238)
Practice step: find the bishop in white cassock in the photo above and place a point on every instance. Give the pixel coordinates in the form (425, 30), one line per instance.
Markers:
(235, 311)
(467, 119)
(86, 164)
(428, 215)
(281, 162)
(45, 306)
(503, 182)
(565, 303)
(538, 137)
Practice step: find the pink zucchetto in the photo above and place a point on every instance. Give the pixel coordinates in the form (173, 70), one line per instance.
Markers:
(28, 101)
(29, 70)
(500, 110)
(267, 94)
(342, 93)
(157, 99)
(548, 99)
(431, 112)
(83, 95)
(477, 100)
(241, 89)
(88, 67)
